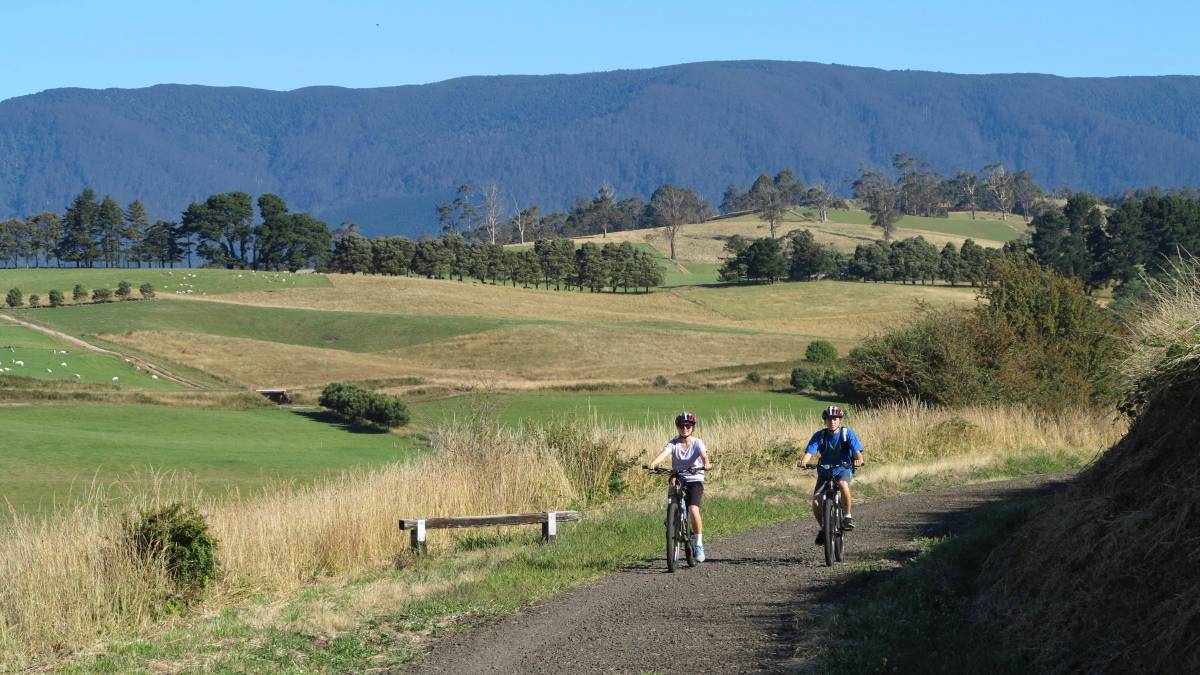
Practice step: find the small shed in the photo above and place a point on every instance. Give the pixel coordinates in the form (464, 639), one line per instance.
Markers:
(279, 396)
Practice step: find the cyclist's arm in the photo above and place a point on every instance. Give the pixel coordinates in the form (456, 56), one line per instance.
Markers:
(704, 456)
(813, 445)
(661, 456)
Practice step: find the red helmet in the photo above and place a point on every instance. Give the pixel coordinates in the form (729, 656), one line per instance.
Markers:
(685, 418)
(832, 411)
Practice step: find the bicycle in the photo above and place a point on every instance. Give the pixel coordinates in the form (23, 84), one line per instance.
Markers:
(831, 514)
(678, 524)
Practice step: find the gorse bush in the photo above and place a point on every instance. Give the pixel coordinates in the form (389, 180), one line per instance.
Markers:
(147, 290)
(15, 297)
(820, 351)
(363, 406)
(124, 289)
(101, 295)
(56, 298)
(79, 294)
(1033, 338)
(35, 300)
(177, 535)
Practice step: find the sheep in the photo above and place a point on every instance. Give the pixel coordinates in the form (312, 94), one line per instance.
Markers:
(115, 378)
(63, 364)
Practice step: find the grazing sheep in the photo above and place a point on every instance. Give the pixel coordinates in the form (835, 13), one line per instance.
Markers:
(77, 376)
(115, 378)
(63, 364)
(154, 376)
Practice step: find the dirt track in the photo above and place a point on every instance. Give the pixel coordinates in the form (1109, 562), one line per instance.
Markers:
(754, 606)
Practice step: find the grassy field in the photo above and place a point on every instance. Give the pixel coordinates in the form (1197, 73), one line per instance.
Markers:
(165, 282)
(54, 451)
(346, 331)
(25, 352)
(605, 409)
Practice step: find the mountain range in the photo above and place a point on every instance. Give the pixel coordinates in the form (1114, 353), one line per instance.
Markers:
(383, 157)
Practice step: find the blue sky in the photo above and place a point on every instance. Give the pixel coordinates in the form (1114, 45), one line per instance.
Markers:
(287, 45)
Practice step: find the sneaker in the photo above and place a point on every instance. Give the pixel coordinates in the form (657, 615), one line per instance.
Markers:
(820, 538)
(848, 523)
(699, 552)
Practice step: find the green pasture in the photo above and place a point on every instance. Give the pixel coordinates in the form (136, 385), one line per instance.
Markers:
(347, 331)
(53, 452)
(995, 230)
(651, 408)
(25, 352)
(165, 281)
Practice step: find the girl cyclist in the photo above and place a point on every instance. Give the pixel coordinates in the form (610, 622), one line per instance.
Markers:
(836, 445)
(688, 452)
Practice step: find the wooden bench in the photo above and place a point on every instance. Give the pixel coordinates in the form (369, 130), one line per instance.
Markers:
(549, 521)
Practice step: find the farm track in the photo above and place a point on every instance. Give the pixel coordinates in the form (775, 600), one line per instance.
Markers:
(128, 358)
(759, 604)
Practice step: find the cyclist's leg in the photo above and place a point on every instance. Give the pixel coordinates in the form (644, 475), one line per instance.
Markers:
(694, 495)
(816, 501)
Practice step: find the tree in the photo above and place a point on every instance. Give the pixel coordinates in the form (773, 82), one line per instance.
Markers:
(591, 269)
(15, 297)
(918, 187)
(1026, 193)
(78, 244)
(648, 272)
(392, 255)
(822, 200)
(492, 210)
(458, 215)
(673, 208)
(820, 351)
(1060, 237)
(808, 258)
(101, 295)
(431, 259)
(523, 220)
(35, 300)
(133, 229)
(222, 224)
(764, 260)
(352, 255)
(974, 262)
(879, 198)
(79, 293)
(733, 266)
(146, 290)
(110, 231)
(1000, 187)
(46, 229)
(124, 290)
(56, 298)
(950, 264)
(966, 188)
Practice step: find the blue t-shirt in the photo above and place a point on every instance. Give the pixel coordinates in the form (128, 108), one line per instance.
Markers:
(828, 444)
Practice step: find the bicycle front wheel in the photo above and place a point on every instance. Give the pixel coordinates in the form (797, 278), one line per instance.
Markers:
(672, 535)
(685, 540)
(837, 538)
(828, 514)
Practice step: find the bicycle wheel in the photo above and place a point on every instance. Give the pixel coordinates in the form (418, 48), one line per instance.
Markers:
(672, 535)
(827, 522)
(685, 536)
(837, 538)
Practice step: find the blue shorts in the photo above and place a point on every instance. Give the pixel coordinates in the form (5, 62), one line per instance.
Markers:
(842, 473)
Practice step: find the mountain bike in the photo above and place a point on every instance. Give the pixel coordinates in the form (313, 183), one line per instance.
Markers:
(678, 524)
(831, 514)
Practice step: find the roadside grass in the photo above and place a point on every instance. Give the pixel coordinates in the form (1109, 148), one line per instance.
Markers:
(917, 618)
(385, 618)
(27, 353)
(165, 281)
(347, 331)
(649, 409)
(56, 452)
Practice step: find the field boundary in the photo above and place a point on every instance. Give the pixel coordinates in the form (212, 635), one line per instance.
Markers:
(128, 358)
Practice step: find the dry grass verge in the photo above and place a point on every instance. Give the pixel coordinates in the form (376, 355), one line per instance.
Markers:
(59, 598)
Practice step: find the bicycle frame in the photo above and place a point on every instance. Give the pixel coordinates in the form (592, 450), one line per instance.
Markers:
(678, 523)
(831, 514)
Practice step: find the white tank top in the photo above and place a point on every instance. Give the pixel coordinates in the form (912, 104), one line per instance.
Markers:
(687, 456)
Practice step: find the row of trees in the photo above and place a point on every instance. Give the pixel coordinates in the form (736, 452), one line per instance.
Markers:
(550, 262)
(920, 191)
(1099, 246)
(799, 257)
(15, 298)
(222, 230)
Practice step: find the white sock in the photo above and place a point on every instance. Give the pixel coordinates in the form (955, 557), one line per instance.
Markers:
(848, 515)
(699, 539)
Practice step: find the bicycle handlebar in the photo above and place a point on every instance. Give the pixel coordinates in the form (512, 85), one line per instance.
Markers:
(850, 465)
(690, 471)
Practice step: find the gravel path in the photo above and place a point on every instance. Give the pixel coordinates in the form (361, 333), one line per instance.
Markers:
(744, 610)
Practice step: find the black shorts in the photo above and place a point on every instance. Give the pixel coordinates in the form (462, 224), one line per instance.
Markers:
(693, 492)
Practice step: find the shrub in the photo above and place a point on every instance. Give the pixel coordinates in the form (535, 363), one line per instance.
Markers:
(754, 377)
(177, 535)
(820, 351)
(661, 381)
(79, 294)
(146, 290)
(801, 379)
(101, 295)
(362, 406)
(124, 290)
(15, 297)
(818, 379)
(56, 298)
(35, 300)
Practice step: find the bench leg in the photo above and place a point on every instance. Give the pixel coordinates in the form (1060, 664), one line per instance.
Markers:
(550, 528)
(416, 538)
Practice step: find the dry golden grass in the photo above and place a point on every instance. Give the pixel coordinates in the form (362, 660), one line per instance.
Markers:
(514, 357)
(68, 580)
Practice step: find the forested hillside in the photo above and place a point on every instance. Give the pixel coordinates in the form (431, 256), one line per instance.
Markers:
(385, 157)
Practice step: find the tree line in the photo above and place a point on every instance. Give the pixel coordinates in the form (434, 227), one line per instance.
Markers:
(221, 231)
(799, 257)
(557, 263)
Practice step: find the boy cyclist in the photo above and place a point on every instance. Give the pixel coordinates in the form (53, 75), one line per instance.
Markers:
(688, 452)
(836, 445)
